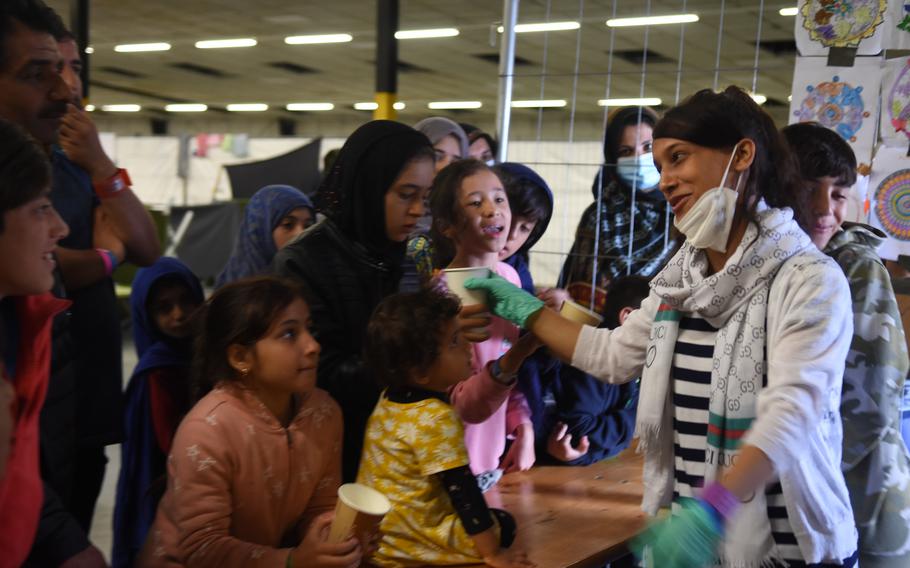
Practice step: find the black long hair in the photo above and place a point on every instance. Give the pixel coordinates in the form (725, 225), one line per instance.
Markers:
(720, 120)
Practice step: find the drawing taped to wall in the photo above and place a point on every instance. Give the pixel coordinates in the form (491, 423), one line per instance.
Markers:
(823, 24)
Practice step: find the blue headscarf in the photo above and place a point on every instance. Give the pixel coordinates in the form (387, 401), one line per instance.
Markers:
(255, 248)
(142, 462)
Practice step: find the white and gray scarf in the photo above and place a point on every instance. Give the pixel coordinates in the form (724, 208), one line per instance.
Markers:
(734, 300)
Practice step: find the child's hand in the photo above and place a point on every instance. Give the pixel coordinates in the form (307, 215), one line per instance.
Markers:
(520, 456)
(474, 322)
(559, 444)
(554, 298)
(316, 552)
(509, 558)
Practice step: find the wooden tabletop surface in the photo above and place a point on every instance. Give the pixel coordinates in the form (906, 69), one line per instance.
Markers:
(574, 517)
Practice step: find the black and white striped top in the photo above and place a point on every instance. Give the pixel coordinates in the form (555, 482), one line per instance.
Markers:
(691, 391)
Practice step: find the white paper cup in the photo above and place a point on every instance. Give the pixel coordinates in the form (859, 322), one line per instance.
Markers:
(577, 312)
(455, 279)
(359, 511)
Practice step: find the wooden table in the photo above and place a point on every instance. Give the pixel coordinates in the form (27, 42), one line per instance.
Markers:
(575, 517)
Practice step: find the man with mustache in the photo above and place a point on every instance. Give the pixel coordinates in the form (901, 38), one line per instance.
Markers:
(108, 225)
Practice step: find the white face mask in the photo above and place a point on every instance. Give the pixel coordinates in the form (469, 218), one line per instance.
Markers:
(707, 223)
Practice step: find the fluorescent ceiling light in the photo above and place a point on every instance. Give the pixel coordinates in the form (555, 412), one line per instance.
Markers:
(647, 101)
(652, 20)
(310, 106)
(248, 107)
(554, 103)
(373, 106)
(90, 108)
(789, 11)
(187, 107)
(789, 98)
(759, 99)
(454, 105)
(543, 27)
(140, 47)
(90, 50)
(324, 38)
(221, 43)
(424, 34)
(121, 108)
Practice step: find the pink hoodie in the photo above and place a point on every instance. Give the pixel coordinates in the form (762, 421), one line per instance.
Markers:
(491, 411)
(241, 488)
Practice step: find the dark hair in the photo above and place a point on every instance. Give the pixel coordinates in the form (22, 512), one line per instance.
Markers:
(719, 121)
(623, 292)
(821, 152)
(617, 122)
(475, 134)
(443, 206)
(526, 199)
(238, 313)
(25, 173)
(34, 15)
(404, 334)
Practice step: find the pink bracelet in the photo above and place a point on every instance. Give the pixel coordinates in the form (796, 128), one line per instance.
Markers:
(107, 259)
(719, 497)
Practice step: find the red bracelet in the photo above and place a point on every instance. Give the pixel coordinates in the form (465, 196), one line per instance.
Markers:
(114, 185)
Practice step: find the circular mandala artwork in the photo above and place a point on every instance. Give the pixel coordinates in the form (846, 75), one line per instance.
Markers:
(835, 104)
(892, 204)
(899, 101)
(842, 23)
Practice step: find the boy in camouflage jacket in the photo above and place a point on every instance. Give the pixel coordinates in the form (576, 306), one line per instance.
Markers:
(876, 464)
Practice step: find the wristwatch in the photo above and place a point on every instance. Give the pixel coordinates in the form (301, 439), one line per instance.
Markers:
(499, 376)
(113, 185)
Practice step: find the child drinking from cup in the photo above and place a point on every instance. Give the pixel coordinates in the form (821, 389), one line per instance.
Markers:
(256, 463)
(471, 222)
(414, 452)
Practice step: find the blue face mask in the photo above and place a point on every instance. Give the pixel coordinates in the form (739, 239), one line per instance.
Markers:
(638, 172)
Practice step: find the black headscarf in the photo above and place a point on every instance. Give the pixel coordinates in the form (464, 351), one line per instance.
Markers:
(353, 193)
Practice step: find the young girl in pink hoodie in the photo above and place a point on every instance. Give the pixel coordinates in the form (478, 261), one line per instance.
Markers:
(471, 222)
(255, 465)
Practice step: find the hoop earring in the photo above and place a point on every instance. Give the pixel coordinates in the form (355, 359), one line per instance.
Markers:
(244, 372)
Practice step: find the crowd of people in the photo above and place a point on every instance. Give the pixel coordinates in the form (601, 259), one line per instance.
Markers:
(751, 341)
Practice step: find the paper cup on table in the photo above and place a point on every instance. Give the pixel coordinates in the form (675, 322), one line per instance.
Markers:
(359, 511)
(455, 279)
(577, 312)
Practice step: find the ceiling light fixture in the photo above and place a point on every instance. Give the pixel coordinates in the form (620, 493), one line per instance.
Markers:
(543, 27)
(310, 106)
(222, 43)
(789, 11)
(90, 50)
(141, 47)
(454, 105)
(759, 99)
(426, 34)
(186, 107)
(647, 101)
(373, 106)
(652, 20)
(121, 108)
(248, 107)
(553, 103)
(89, 108)
(313, 39)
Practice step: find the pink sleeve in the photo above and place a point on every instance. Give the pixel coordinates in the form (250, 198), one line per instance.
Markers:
(476, 398)
(518, 412)
(201, 471)
(326, 493)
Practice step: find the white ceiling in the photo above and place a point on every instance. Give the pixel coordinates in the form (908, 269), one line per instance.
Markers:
(446, 68)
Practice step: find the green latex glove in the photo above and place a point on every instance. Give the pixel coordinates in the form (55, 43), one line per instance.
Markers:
(688, 539)
(505, 299)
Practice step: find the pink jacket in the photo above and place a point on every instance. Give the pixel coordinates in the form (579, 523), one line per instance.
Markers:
(491, 411)
(240, 486)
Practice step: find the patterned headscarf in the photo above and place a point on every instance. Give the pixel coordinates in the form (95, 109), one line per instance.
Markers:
(254, 248)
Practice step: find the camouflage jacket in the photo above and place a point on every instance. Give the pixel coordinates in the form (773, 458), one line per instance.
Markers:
(876, 463)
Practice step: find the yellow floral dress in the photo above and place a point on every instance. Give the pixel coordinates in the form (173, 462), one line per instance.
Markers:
(406, 445)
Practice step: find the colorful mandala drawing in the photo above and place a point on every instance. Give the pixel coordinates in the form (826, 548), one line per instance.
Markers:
(904, 24)
(892, 204)
(899, 101)
(842, 23)
(835, 104)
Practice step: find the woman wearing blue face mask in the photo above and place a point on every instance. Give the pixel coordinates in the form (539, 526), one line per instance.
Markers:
(740, 347)
(626, 200)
